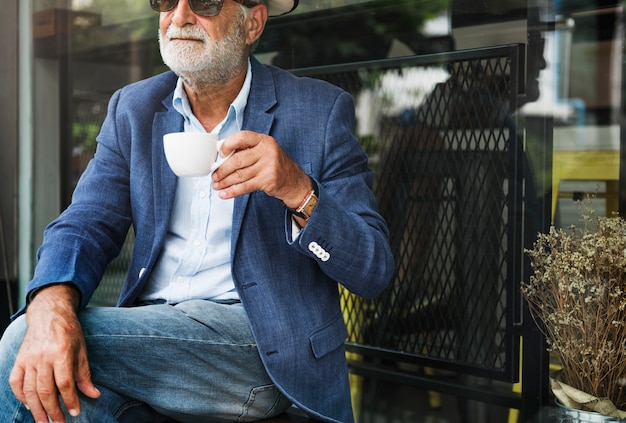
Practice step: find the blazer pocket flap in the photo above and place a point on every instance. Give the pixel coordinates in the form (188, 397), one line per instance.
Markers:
(329, 337)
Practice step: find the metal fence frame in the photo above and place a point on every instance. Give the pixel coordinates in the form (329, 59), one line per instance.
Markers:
(472, 381)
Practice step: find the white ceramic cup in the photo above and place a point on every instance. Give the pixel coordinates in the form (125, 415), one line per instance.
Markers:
(193, 153)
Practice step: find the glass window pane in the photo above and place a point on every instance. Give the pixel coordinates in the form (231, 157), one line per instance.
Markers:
(86, 49)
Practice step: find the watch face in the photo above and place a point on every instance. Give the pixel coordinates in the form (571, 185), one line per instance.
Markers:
(309, 206)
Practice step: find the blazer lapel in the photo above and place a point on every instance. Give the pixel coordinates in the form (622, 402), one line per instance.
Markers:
(257, 118)
(164, 178)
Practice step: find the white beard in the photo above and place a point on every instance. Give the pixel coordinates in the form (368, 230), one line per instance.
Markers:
(206, 62)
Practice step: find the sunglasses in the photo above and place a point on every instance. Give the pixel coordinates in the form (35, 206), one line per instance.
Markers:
(199, 7)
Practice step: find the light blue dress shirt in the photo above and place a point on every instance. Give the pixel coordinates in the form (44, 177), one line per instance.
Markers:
(195, 260)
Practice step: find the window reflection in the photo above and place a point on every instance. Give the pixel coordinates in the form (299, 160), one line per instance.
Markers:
(102, 45)
(86, 49)
(357, 32)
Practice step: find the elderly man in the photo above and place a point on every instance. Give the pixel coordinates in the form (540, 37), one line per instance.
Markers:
(230, 308)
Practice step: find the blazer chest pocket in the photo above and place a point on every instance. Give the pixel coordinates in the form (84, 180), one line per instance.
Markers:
(329, 337)
(307, 168)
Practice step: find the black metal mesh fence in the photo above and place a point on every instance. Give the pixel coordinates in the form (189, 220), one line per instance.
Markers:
(446, 153)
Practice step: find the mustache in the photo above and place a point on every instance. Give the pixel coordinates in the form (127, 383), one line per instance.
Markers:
(186, 32)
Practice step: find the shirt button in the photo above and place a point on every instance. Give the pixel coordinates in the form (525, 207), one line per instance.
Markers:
(180, 279)
(202, 194)
(196, 243)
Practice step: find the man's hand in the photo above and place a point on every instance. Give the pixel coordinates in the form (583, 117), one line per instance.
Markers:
(53, 357)
(260, 164)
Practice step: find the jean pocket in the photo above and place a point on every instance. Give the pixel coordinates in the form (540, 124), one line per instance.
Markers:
(263, 402)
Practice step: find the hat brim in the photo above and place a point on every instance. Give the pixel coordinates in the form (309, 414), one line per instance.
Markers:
(280, 7)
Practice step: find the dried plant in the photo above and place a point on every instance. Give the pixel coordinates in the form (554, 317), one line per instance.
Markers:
(578, 292)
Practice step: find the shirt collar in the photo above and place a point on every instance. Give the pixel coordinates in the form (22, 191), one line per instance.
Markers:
(236, 109)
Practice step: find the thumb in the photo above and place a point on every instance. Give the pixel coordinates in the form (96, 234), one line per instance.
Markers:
(83, 378)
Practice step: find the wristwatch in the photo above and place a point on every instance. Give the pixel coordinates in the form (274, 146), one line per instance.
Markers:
(305, 209)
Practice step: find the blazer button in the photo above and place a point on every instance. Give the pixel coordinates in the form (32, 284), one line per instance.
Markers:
(319, 252)
(314, 247)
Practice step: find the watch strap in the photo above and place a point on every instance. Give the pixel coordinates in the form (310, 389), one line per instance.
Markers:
(308, 204)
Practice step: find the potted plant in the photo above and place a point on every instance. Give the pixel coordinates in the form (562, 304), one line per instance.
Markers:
(577, 296)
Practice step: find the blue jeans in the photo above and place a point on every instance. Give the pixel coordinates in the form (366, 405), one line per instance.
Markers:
(193, 362)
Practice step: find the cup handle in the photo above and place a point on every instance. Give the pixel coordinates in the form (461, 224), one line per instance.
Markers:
(220, 160)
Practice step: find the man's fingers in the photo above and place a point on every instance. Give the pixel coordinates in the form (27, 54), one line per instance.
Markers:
(48, 394)
(39, 391)
(66, 386)
(241, 140)
(83, 378)
(31, 397)
(70, 379)
(16, 381)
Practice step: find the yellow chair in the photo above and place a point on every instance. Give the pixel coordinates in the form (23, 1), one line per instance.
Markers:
(353, 323)
(587, 165)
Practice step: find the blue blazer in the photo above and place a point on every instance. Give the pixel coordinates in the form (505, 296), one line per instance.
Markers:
(287, 287)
